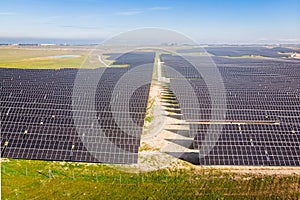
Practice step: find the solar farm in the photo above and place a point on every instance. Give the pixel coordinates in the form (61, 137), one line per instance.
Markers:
(230, 109)
(38, 120)
(261, 126)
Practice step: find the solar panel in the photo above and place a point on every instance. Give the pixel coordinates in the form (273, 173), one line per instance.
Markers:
(39, 119)
(46, 114)
(262, 114)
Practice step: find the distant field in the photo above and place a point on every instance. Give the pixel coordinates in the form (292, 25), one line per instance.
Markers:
(29, 179)
(38, 58)
(51, 58)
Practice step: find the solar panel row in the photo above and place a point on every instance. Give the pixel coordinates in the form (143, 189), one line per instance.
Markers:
(38, 121)
(262, 121)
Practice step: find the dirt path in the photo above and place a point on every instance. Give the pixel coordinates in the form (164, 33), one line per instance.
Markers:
(155, 145)
(158, 149)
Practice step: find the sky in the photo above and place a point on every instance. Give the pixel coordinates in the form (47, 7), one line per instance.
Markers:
(231, 21)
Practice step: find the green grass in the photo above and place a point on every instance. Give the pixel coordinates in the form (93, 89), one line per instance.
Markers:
(97, 181)
(45, 64)
(149, 112)
(37, 58)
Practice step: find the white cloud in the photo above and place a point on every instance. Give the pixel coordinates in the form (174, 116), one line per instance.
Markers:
(139, 11)
(7, 13)
(54, 17)
(80, 27)
(160, 8)
(129, 13)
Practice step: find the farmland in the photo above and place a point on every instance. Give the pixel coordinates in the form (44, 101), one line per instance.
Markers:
(40, 58)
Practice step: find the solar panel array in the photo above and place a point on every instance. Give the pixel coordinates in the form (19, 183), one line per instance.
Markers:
(243, 51)
(262, 122)
(37, 119)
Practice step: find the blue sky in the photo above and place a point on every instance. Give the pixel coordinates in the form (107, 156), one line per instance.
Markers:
(205, 21)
